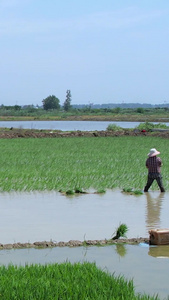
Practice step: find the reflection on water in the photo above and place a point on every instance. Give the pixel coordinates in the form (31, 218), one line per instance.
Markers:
(154, 206)
(121, 250)
(159, 251)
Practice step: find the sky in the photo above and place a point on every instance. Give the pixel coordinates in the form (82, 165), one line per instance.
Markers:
(104, 51)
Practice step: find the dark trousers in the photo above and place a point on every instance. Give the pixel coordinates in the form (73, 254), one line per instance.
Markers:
(151, 178)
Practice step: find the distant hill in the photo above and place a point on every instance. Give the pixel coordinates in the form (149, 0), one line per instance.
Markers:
(121, 105)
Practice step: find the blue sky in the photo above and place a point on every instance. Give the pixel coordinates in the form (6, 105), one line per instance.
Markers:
(103, 51)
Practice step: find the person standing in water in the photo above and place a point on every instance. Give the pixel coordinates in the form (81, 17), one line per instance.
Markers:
(154, 163)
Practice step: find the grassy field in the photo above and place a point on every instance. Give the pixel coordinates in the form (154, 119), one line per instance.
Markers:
(65, 164)
(116, 114)
(128, 117)
(64, 281)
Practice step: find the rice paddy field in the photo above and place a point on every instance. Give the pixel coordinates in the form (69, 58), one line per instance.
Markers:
(78, 164)
(64, 281)
(73, 164)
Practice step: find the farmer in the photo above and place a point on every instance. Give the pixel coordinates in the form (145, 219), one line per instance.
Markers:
(153, 163)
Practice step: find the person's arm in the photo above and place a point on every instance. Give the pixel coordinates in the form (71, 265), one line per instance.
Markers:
(159, 161)
(147, 163)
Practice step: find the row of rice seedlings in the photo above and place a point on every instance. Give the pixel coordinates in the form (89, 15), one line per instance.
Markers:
(78, 164)
(64, 281)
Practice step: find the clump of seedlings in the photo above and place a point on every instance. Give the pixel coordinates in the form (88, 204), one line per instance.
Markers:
(79, 191)
(70, 192)
(76, 191)
(138, 192)
(121, 231)
(132, 192)
(101, 191)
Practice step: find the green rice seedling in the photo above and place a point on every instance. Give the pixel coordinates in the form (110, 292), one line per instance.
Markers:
(79, 191)
(138, 192)
(64, 281)
(70, 192)
(101, 191)
(127, 190)
(131, 191)
(83, 163)
(121, 231)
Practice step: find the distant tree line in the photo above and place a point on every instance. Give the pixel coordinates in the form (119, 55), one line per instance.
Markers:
(49, 103)
(121, 105)
(52, 104)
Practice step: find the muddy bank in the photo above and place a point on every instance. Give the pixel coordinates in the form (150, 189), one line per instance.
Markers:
(74, 243)
(29, 133)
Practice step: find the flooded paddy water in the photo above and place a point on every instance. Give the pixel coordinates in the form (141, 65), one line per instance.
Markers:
(39, 216)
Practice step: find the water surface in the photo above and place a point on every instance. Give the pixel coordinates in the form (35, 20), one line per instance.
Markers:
(66, 125)
(39, 216)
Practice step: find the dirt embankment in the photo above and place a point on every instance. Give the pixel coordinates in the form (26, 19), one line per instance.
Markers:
(74, 243)
(22, 133)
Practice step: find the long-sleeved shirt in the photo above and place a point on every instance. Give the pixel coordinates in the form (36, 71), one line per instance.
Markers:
(153, 164)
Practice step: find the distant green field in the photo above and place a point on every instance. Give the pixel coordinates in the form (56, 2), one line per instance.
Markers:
(156, 114)
(78, 163)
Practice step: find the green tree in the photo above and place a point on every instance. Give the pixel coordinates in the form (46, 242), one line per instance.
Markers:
(51, 102)
(140, 110)
(67, 103)
(117, 110)
(17, 107)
